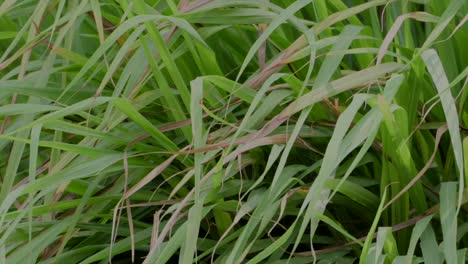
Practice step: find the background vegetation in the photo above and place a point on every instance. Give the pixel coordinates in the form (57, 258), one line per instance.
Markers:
(233, 131)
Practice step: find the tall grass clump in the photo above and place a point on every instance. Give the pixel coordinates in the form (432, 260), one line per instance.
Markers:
(216, 131)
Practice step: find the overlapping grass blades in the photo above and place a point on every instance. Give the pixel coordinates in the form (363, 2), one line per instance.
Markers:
(213, 131)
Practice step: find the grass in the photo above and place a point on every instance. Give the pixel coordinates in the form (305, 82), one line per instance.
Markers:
(212, 131)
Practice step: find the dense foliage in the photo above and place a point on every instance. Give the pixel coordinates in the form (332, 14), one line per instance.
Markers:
(233, 131)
